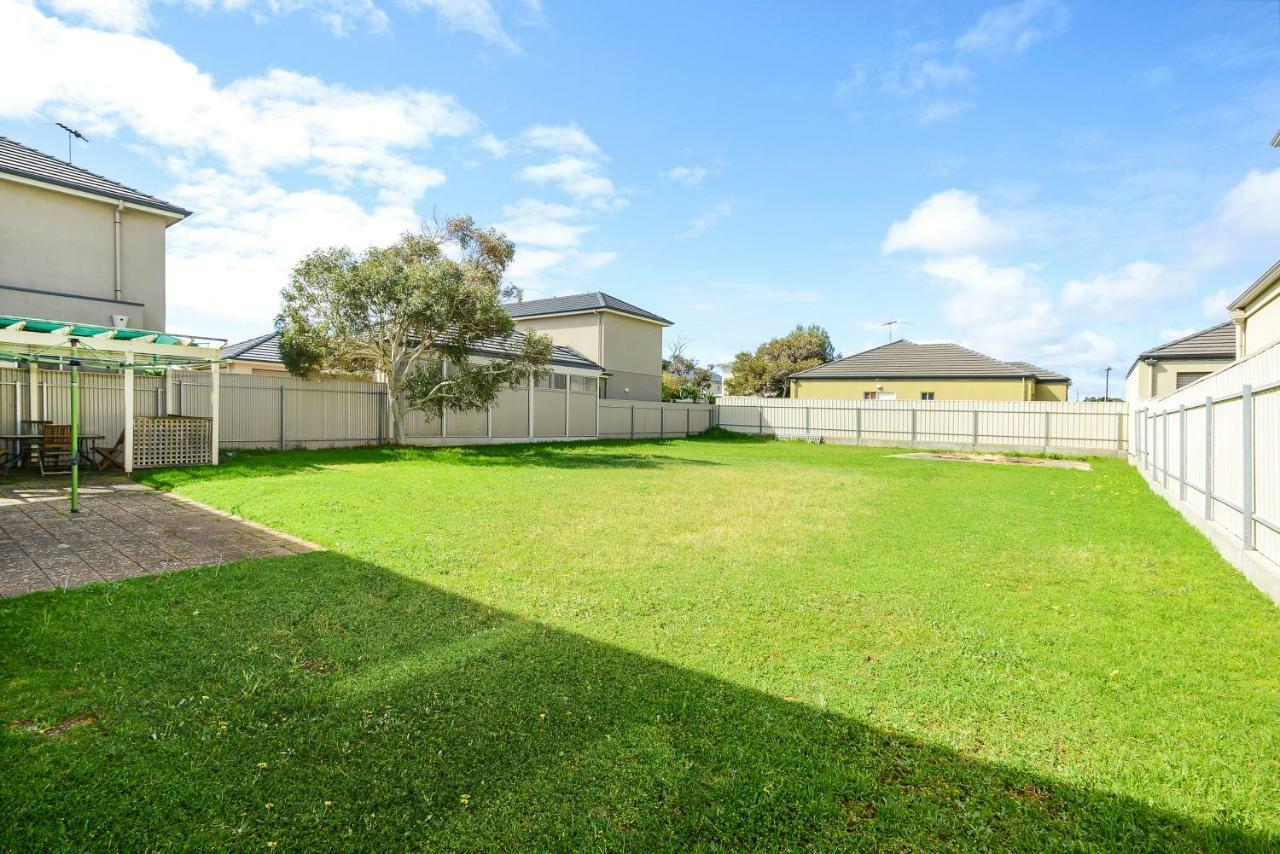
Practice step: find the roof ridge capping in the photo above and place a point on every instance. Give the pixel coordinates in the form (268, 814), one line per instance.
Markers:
(936, 360)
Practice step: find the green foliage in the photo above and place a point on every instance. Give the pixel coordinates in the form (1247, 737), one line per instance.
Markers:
(717, 644)
(683, 378)
(765, 371)
(412, 312)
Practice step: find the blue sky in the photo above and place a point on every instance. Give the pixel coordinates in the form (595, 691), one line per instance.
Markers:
(1056, 181)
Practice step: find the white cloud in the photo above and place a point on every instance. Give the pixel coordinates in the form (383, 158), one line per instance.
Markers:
(689, 176)
(561, 139)
(1254, 203)
(1215, 304)
(530, 222)
(1120, 294)
(940, 111)
(708, 219)
(945, 223)
(575, 176)
(1015, 27)
(916, 71)
(472, 16)
(230, 263)
(478, 17)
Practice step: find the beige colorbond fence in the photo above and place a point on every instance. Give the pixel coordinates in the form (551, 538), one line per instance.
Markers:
(640, 419)
(1090, 428)
(1212, 450)
(258, 411)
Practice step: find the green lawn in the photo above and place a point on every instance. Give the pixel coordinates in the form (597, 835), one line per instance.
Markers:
(716, 643)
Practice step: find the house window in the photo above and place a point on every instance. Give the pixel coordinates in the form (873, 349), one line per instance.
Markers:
(604, 387)
(560, 381)
(1187, 378)
(868, 395)
(587, 384)
(543, 381)
(926, 395)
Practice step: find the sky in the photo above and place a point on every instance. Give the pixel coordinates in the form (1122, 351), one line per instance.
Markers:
(1056, 181)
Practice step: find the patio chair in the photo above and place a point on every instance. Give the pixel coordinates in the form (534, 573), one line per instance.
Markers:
(110, 456)
(55, 449)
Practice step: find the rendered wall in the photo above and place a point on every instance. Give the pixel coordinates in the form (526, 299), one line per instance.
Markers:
(912, 389)
(51, 241)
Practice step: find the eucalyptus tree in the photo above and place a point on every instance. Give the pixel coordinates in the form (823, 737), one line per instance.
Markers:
(425, 314)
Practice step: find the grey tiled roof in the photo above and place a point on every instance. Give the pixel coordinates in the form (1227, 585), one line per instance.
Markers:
(266, 348)
(577, 303)
(905, 359)
(1042, 374)
(1216, 342)
(23, 161)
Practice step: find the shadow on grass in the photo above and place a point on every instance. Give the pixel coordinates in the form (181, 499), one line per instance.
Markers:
(317, 701)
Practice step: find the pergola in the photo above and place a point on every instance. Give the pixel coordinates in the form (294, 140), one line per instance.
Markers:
(52, 344)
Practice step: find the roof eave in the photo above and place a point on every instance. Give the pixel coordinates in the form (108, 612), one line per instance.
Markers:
(1265, 281)
(164, 209)
(660, 321)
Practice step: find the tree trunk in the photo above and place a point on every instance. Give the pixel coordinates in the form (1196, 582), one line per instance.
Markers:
(397, 403)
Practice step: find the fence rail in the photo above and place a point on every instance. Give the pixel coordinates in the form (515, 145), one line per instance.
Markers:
(1093, 428)
(1212, 449)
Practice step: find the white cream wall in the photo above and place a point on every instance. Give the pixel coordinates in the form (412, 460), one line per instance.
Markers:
(633, 356)
(59, 243)
(1262, 324)
(1148, 381)
(579, 331)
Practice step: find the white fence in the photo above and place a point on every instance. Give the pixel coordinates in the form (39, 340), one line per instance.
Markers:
(640, 419)
(1090, 428)
(260, 411)
(1212, 449)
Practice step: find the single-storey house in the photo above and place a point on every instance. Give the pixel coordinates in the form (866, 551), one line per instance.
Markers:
(904, 370)
(76, 246)
(1256, 314)
(1167, 368)
(625, 339)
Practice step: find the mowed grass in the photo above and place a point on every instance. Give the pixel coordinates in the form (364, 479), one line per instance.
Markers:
(710, 643)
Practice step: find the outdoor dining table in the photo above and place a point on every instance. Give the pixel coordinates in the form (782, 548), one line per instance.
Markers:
(16, 447)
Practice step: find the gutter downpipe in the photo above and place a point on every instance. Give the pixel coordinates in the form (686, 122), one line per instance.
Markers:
(119, 285)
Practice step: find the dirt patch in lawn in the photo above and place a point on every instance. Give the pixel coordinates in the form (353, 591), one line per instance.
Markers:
(1001, 459)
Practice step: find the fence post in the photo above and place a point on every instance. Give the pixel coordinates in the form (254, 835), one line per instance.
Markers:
(857, 425)
(633, 419)
(806, 418)
(1119, 432)
(1246, 495)
(760, 418)
(686, 422)
(662, 422)
(282, 416)
(975, 428)
(1046, 431)
(913, 426)
(1182, 452)
(378, 413)
(1208, 458)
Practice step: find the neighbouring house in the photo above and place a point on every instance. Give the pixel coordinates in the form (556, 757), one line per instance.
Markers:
(624, 339)
(1167, 368)
(717, 385)
(1256, 314)
(261, 355)
(904, 370)
(78, 247)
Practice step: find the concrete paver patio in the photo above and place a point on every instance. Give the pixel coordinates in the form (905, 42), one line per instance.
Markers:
(123, 529)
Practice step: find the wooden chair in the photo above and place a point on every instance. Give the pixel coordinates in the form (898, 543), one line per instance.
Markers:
(55, 448)
(110, 456)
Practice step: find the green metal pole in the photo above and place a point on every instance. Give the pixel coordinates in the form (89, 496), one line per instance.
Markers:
(75, 437)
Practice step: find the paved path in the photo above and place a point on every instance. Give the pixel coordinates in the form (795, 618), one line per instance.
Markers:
(123, 529)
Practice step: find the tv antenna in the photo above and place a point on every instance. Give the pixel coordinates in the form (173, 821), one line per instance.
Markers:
(72, 134)
(891, 324)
